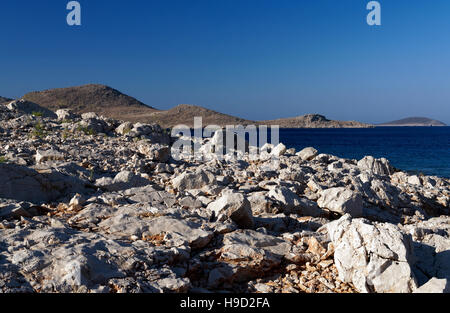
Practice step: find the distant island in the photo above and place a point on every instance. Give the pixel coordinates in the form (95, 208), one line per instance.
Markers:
(112, 103)
(414, 121)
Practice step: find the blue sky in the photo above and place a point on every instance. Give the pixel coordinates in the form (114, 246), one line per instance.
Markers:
(258, 59)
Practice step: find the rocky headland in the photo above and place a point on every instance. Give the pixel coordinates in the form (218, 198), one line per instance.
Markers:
(93, 204)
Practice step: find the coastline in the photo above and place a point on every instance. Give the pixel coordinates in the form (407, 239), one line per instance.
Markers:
(83, 192)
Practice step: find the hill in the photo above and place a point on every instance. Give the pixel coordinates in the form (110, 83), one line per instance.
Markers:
(414, 121)
(100, 99)
(112, 103)
(314, 121)
(185, 113)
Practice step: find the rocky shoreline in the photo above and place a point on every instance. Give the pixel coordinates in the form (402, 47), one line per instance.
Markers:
(92, 204)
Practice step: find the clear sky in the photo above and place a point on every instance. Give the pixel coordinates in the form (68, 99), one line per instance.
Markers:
(258, 59)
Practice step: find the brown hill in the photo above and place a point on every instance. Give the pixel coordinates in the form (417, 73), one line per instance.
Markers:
(100, 99)
(112, 103)
(314, 121)
(184, 114)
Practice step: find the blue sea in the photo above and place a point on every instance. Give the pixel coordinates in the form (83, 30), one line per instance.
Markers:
(414, 149)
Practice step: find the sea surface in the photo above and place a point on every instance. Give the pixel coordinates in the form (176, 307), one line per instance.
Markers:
(414, 149)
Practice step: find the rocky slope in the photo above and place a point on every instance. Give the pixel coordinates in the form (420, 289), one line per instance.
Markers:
(109, 102)
(100, 99)
(414, 121)
(91, 204)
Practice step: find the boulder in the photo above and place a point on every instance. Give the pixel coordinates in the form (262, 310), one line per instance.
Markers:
(435, 285)
(374, 257)
(124, 128)
(197, 180)
(26, 184)
(307, 154)
(247, 254)
(155, 152)
(65, 114)
(291, 203)
(380, 167)
(341, 200)
(122, 181)
(236, 207)
(279, 150)
(48, 155)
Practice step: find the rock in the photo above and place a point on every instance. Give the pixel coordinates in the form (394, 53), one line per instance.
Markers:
(28, 107)
(374, 257)
(180, 231)
(124, 128)
(154, 133)
(307, 154)
(177, 285)
(26, 184)
(77, 201)
(435, 285)
(196, 180)
(155, 152)
(342, 201)
(89, 116)
(49, 155)
(279, 150)
(247, 254)
(291, 203)
(65, 114)
(91, 123)
(189, 202)
(380, 167)
(234, 206)
(122, 181)
(414, 180)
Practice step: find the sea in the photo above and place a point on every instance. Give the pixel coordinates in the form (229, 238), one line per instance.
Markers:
(416, 150)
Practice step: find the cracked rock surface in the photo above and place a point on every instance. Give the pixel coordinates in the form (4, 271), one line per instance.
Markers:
(89, 204)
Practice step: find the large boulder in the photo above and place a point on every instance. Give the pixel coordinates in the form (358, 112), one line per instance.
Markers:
(374, 257)
(307, 154)
(380, 167)
(26, 184)
(196, 180)
(247, 254)
(435, 285)
(291, 203)
(65, 114)
(341, 200)
(279, 150)
(236, 207)
(155, 152)
(122, 181)
(154, 133)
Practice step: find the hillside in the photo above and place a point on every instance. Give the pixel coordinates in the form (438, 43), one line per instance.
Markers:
(414, 121)
(101, 99)
(185, 113)
(112, 103)
(314, 121)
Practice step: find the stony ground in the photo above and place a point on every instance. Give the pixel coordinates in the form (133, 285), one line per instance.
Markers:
(89, 204)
